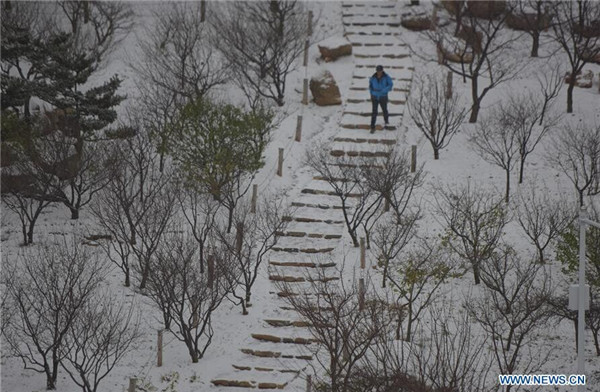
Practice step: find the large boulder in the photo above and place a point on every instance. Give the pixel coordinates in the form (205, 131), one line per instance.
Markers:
(527, 21)
(417, 23)
(486, 9)
(324, 89)
(333, 48)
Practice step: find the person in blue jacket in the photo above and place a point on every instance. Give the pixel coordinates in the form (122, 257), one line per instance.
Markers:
(380, 84)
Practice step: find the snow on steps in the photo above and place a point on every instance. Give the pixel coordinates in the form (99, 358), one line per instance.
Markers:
(276, 353)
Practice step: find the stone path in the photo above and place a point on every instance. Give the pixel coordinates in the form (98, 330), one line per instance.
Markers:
(278, 351)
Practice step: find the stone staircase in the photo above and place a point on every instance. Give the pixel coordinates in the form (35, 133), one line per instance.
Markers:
(278, 351)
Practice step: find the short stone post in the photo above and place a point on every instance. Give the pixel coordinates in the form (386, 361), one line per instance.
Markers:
(299, 129)
(253, 200)
(305, 92)
(310, 22)
(413, 159)
(239, 237)
(449, 85)
(159, 348)
(280, 163)
(386, 205)
(433, 23)
(362, 253)
(306, 53)
(211, 270)
(361, 294)
(440, 55)
(309, 383)
(132, 384)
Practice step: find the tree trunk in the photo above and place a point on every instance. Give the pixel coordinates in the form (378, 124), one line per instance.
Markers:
(74, 213)
(507, 195)
(354, 238)
(476, 105)
(536, 44)
(541, 255)
(476, 273)
(570, 93)
(229, 220)
(436, 153)
(32, 225)
(521, 170)
(580, 197)
(127, 279)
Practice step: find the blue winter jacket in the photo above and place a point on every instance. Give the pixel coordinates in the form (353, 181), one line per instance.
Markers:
(380, 87)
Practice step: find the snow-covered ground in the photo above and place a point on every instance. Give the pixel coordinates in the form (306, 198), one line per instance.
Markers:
(458, 164)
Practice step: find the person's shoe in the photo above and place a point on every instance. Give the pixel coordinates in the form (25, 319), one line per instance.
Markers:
(372, 129)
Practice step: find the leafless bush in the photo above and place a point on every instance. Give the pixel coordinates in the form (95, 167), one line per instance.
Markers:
(497, 143)
(48, 290)
(512, 309)
(256, 234)
(101, 335)
(344, 329)
(136, 206)
(449, 355)
(576, 30)
(576, 151)
(178, 66)
(390, 237)
(261, 41)
(438, 118)
(542, 218)
(359, 201)
(185, 295)
(415, 278)
(480, 48)
(473, 220)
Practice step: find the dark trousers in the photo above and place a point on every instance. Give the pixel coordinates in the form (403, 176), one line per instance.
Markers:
(377, 101)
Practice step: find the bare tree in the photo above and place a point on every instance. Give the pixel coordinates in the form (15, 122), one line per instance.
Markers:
(201, 211)
(416, 278)
(178, 65)
(261, 41)
(512, 309)
(497, 142)
(449, 355)
(484, 52)
(577, 31)
(26, 205)
(437, 116)
(527, 116)
(50, 288)
(360, 202)
(576, 151)
(390, 237)
(136, 206)
(256, 234)
(101, 335)
(543, 218)
(339, 324)
(532, 17)
(189, 297)
(474, 221)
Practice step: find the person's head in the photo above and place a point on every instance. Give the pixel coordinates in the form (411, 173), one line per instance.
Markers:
(379, 70)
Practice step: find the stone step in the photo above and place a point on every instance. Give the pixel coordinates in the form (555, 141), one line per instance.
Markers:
(302, 250)
(309, 219)
(301, 234)
(361, 154)
(386, 142)
(369, 5)
(284, 340)
(301, 264)
(367, 126)
(368, 114)
(300, 279)
(368, 100)
(275, 354)
(369, 40)
(328, 193)
(287, 323)
(317, 206)
(246, 368)
(247, 384)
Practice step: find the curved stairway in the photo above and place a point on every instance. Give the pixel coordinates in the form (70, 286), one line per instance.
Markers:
(278, 351)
